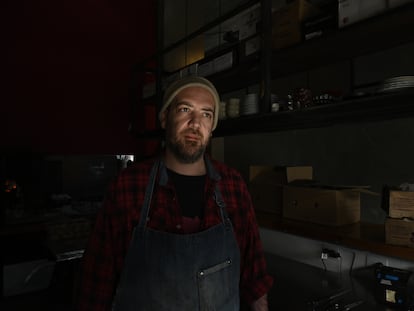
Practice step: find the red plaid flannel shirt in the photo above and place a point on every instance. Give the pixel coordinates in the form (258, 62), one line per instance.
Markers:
(103, 259)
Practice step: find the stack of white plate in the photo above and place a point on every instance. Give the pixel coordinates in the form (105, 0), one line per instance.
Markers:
(250, 104)
(233, 108)
(397, 83)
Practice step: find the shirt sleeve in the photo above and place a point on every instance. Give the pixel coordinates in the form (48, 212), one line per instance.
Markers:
(254, 278)
(97, 272)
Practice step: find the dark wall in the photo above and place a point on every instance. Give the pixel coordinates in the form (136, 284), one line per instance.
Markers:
(66, 68)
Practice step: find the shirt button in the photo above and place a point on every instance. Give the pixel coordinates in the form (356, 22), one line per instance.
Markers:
(178, 226)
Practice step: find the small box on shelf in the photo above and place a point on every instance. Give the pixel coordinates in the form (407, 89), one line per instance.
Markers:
(266, 185)
(401, 204)
(223, 62)
(398, 203)
(205, 69)
(399, 232)
(352, 11)
(249, 48)
(287, 20)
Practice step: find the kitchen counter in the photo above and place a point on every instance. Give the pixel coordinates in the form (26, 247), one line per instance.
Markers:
(361, 235)
(296, 285)
(64, 237)
(48, 249)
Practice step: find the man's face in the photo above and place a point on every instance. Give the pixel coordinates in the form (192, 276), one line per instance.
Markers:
(188, 123)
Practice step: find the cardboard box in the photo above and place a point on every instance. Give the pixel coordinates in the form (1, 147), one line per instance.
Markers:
(286, 22)
(238, 27)
(249, 48)
(266, 185)
(325, 206)
(206, 69)
(320, 25)
(183, 55)
(401, 204)
(249, 21)
(399, 232)
(352, 11)
(223, 62)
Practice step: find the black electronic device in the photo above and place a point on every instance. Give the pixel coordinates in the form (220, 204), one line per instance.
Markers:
(394, 287)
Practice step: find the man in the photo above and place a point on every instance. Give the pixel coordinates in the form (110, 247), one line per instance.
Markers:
(177, 232)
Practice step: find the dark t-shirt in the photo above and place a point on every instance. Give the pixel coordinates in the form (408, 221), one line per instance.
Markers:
(190, 193)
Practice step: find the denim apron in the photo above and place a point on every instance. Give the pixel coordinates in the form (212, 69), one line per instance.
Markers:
(180, 272)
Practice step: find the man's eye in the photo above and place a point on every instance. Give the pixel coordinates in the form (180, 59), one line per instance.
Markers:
(208, 115)
(184, 109)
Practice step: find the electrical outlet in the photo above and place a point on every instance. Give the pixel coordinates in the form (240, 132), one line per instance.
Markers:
(329, 253)
(331, 260)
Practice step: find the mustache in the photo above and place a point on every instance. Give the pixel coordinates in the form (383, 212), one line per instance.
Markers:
(193, 132)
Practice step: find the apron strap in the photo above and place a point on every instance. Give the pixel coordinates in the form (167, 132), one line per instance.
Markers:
(148, 196)
(223, 211)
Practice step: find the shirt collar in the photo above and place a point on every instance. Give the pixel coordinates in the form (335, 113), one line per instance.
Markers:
(211, 172)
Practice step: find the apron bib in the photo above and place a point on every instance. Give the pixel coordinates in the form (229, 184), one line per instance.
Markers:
(179, 272)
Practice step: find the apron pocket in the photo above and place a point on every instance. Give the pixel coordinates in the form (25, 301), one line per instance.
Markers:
(213, 269)
(218, 286)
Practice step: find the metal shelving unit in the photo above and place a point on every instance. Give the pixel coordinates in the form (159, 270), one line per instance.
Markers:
(381, 32)
(365, 109)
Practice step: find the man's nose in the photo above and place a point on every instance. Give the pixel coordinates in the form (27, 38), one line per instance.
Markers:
(195, 120)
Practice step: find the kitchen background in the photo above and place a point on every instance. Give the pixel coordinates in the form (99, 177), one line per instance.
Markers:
(374, 154)
(67, 113)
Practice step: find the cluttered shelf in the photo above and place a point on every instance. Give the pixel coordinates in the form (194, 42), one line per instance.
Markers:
(367, 108)
(389, 29)
(384, 31)
(376, 107)
(363, 236)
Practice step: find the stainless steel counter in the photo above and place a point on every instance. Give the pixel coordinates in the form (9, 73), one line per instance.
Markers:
(297, 285)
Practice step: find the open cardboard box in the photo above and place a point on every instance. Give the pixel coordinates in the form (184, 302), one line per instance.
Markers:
(323, 204)
(266, 185)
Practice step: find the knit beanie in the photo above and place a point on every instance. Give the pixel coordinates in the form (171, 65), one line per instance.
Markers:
(183, 83)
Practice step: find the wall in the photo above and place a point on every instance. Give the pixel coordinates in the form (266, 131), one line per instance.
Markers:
(308, 251)
(374, 154)
(67, 69)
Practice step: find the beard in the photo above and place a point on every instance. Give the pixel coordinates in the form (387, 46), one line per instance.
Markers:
(186, 152)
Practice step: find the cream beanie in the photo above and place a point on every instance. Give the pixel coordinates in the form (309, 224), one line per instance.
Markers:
(183, 83)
